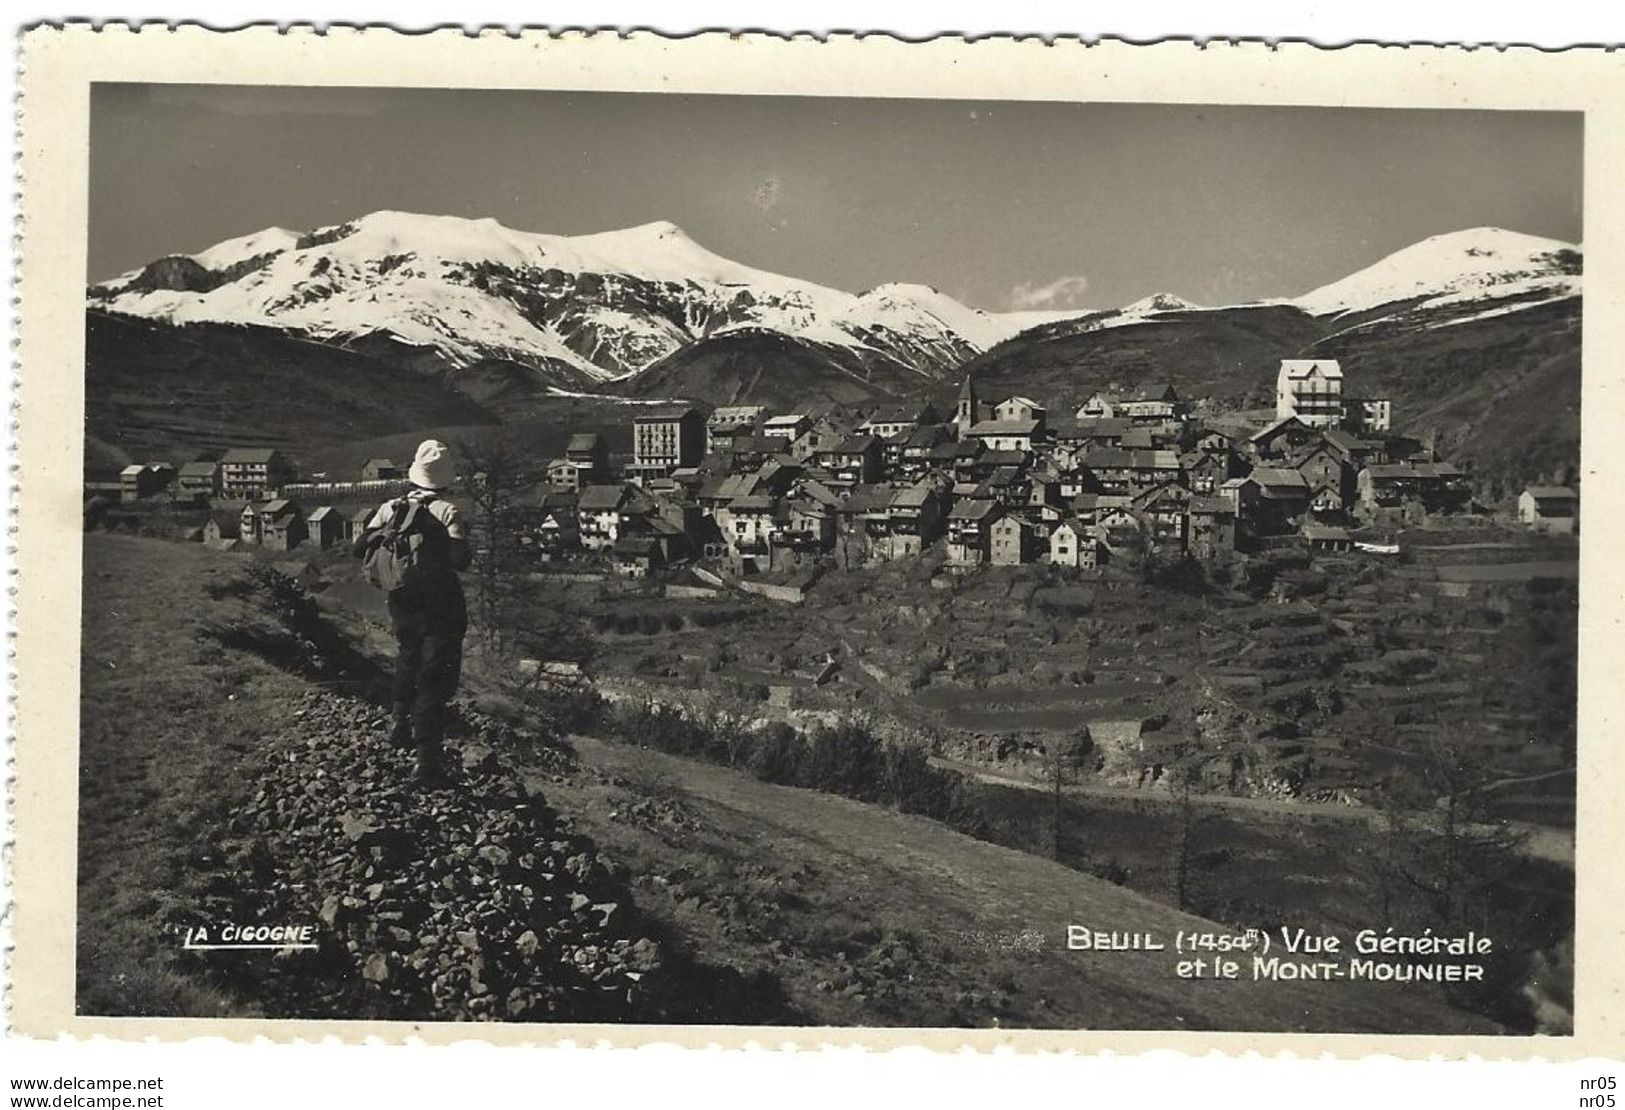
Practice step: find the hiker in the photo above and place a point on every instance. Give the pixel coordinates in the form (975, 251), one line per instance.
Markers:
(412, 548)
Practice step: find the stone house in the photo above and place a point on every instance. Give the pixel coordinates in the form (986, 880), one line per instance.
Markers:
(1554, 509)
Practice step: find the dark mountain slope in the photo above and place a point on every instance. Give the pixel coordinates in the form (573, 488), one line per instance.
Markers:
(752, 366)
(1227, 351)
(1501, 391)
(160, 391)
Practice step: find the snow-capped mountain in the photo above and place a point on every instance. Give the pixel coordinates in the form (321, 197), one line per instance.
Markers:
(1481, 264)
(585, 312)
(585, 309)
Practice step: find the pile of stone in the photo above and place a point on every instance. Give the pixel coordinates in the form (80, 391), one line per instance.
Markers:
(470, 900)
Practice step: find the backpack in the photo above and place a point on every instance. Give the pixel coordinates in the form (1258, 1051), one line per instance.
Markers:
(411, 550)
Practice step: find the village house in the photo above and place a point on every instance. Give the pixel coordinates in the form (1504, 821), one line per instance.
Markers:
(636, 557)
(1045, 500)
(1368, 415)
(1327, 539)
(1165, 509)
(251, 473)
(138, 481)
(853, 461)
(787, 426)
(1087, 507)
(715, 493)
(1072, 545)
(670, 540)
(1008, 485)
(223, 528)
(728, 421)
(858, 506)
(748, 523)
(356, 524)
(1330, 482)
(913, 522)
(1088, 433)
(248, 523)
(806, 534)
(908, 454)
(665, 438)
(637, 512)
(1327, 500)
(1310, 389)
(380, 470)
(1076, 481)
(1121, 526)
(1125, 472)
(1206, 470)
(812, 518)
(1412, 489)
(1014, 542)
(1282, 498)
(970, 531)
(1281, 441)
(887, 422)
(281, 525)
(1355, 451)
(1005, 435)
(565, 476)
(198, 481)
(1554, 509)
(747, 452)
(325, 526)
(1100, 406)
(1019, 408)
(982, 466)
(778, 474)
(589, 451)
(792, 552)
(1137, 438)
(1210, 531)
(1153, 402)
(557, 533)
(598, 515)
(818, 434)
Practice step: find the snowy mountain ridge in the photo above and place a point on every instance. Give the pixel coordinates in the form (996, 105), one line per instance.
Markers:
(584, 311)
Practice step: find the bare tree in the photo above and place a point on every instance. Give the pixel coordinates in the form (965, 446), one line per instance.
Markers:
(1442, 846)
(496, 470)
(1064, 757)
(1189, 820)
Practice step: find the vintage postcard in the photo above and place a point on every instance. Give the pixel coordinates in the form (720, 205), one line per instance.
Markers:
(745, 539)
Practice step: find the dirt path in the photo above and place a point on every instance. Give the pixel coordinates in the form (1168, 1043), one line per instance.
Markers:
(913, 873)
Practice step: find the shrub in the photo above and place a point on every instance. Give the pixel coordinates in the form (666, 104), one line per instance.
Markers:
(774, 754)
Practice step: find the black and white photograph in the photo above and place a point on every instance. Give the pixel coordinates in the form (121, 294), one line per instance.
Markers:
(662, 558)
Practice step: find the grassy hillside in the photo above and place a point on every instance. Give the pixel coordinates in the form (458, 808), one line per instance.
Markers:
(159, 391)
(832, 911)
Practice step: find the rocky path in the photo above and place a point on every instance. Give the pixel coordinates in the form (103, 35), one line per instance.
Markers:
(471, 900)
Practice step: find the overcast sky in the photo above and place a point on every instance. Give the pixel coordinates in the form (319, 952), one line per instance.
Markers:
(1002, 205)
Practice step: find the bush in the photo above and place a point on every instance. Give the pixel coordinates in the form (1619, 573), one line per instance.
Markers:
(774, 754)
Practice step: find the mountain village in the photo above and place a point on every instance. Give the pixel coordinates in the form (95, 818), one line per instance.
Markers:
(1098, 578)
(782, 495)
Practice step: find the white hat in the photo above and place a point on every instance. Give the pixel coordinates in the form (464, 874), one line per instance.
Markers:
(433, 467)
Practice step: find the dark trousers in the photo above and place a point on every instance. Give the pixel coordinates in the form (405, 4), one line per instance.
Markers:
(429, 628)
